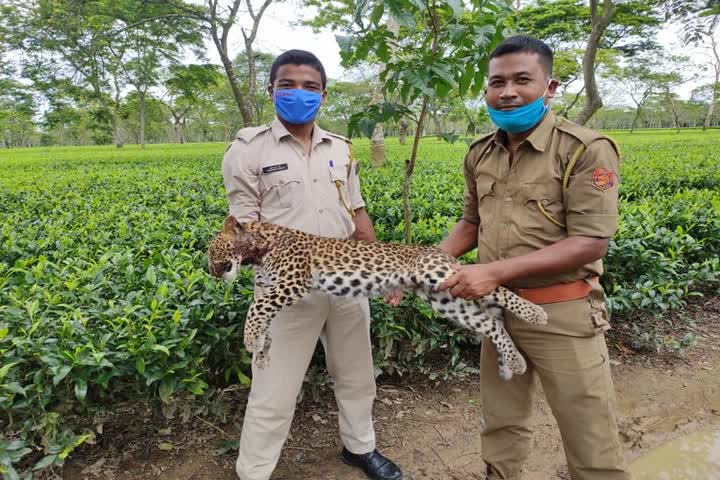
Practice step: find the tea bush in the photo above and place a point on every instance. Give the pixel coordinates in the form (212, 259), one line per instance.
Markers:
(104, 293)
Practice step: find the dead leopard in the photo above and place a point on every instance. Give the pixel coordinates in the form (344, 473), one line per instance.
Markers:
(295, 262)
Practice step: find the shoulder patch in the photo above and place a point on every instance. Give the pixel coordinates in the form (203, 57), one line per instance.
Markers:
(248, 134)
(603, 179)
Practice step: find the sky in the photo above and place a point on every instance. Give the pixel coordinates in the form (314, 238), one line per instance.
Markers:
(279, 32)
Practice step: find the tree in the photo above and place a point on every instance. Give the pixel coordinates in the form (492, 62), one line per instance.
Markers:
(344, 100)
(700, 20)
(64, 51)
(217, 20)
(341, 15)
(185, 87)
(641, 82)
(145, 39)
(441, 49)
(16, 113)
(258, 97)
(592, 29)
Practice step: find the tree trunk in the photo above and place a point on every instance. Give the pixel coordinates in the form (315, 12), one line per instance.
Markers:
(593, 102)
(377, 141)
(673, 108)
(409, 169)
(566, 111)
(634, 122)
(240, 100)
(403, 130)
(713, 100)
(176, 127)
(116, 115)
(141, 101)
(716, 85)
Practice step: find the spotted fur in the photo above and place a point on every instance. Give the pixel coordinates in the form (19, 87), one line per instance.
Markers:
(295, 262)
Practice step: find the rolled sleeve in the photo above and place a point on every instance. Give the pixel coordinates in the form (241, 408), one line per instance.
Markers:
(470, 206)
(592, 194)
(241, 184)
(356, 199)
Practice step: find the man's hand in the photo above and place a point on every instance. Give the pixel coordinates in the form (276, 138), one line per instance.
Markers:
(394, 298)
(472, 281)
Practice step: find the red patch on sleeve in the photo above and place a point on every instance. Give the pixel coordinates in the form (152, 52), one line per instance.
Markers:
(603, 179)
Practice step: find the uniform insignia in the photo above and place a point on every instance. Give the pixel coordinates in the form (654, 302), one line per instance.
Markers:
(275, 168)
(603, 179)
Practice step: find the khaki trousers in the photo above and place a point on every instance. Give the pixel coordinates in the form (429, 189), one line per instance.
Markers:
(570, 357)
(343, 325)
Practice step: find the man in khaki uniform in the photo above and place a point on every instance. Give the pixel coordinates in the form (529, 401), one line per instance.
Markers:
(292, 173)
(541, 206)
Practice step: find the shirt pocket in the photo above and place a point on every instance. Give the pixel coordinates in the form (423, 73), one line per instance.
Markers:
(544, 207)
(485, 187)
(280, 188)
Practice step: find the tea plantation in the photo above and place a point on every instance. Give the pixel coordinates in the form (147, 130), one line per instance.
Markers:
(104, 293)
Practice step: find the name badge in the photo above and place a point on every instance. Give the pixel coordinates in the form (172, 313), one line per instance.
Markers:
(275, 168)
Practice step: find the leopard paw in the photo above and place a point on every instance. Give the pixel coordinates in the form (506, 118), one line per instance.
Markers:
(505, 371)
(518, 365)
(262, 360)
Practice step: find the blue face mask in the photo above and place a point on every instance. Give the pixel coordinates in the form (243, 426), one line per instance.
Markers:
(297, 106)
(520, 119)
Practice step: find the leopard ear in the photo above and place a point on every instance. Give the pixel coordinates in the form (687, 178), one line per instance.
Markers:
(231, 225)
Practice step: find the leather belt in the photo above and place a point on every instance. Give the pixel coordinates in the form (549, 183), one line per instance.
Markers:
(560, 292)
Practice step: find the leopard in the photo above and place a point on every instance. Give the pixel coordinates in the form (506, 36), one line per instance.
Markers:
(293, 262)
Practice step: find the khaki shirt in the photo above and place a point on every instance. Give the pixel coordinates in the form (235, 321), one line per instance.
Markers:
(269, 178)
(521, 208)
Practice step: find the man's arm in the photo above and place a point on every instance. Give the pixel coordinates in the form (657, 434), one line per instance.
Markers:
(473, 281)
(462, 239)
(364, 229)
(241, 184)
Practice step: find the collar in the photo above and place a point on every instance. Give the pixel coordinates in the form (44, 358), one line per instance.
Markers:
(279, 131)
(538, 138)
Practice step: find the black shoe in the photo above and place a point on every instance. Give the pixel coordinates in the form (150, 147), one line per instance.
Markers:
(375, 466)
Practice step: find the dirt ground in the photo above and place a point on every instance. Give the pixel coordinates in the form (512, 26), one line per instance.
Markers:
(429, 428)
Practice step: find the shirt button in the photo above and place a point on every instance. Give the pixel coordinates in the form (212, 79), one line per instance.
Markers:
(504, 225)
(508, 199)
(314, 180)
(320, 211)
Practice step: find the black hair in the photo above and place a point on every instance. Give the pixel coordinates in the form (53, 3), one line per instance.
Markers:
(526, 44)
(297, 57)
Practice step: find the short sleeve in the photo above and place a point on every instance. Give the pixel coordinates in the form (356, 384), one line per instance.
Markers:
(353, 185)
(241, 183)
(592, 194)
(470, 206)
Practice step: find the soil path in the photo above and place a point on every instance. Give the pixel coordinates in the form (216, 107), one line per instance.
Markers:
(430, 429)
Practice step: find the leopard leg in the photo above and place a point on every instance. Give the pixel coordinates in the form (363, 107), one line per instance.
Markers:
(523, 309)
(487, 322)
(257, 323)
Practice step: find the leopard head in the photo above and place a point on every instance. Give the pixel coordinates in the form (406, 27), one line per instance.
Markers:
(234, 246)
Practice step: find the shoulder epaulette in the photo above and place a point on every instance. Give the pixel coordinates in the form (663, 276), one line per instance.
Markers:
(584, 134)
(248, 134)
(481, 139)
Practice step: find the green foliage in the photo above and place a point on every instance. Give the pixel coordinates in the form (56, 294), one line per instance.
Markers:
(104, 293)
(440, 50)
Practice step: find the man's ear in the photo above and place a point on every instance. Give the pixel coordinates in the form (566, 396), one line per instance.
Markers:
(231, 225)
